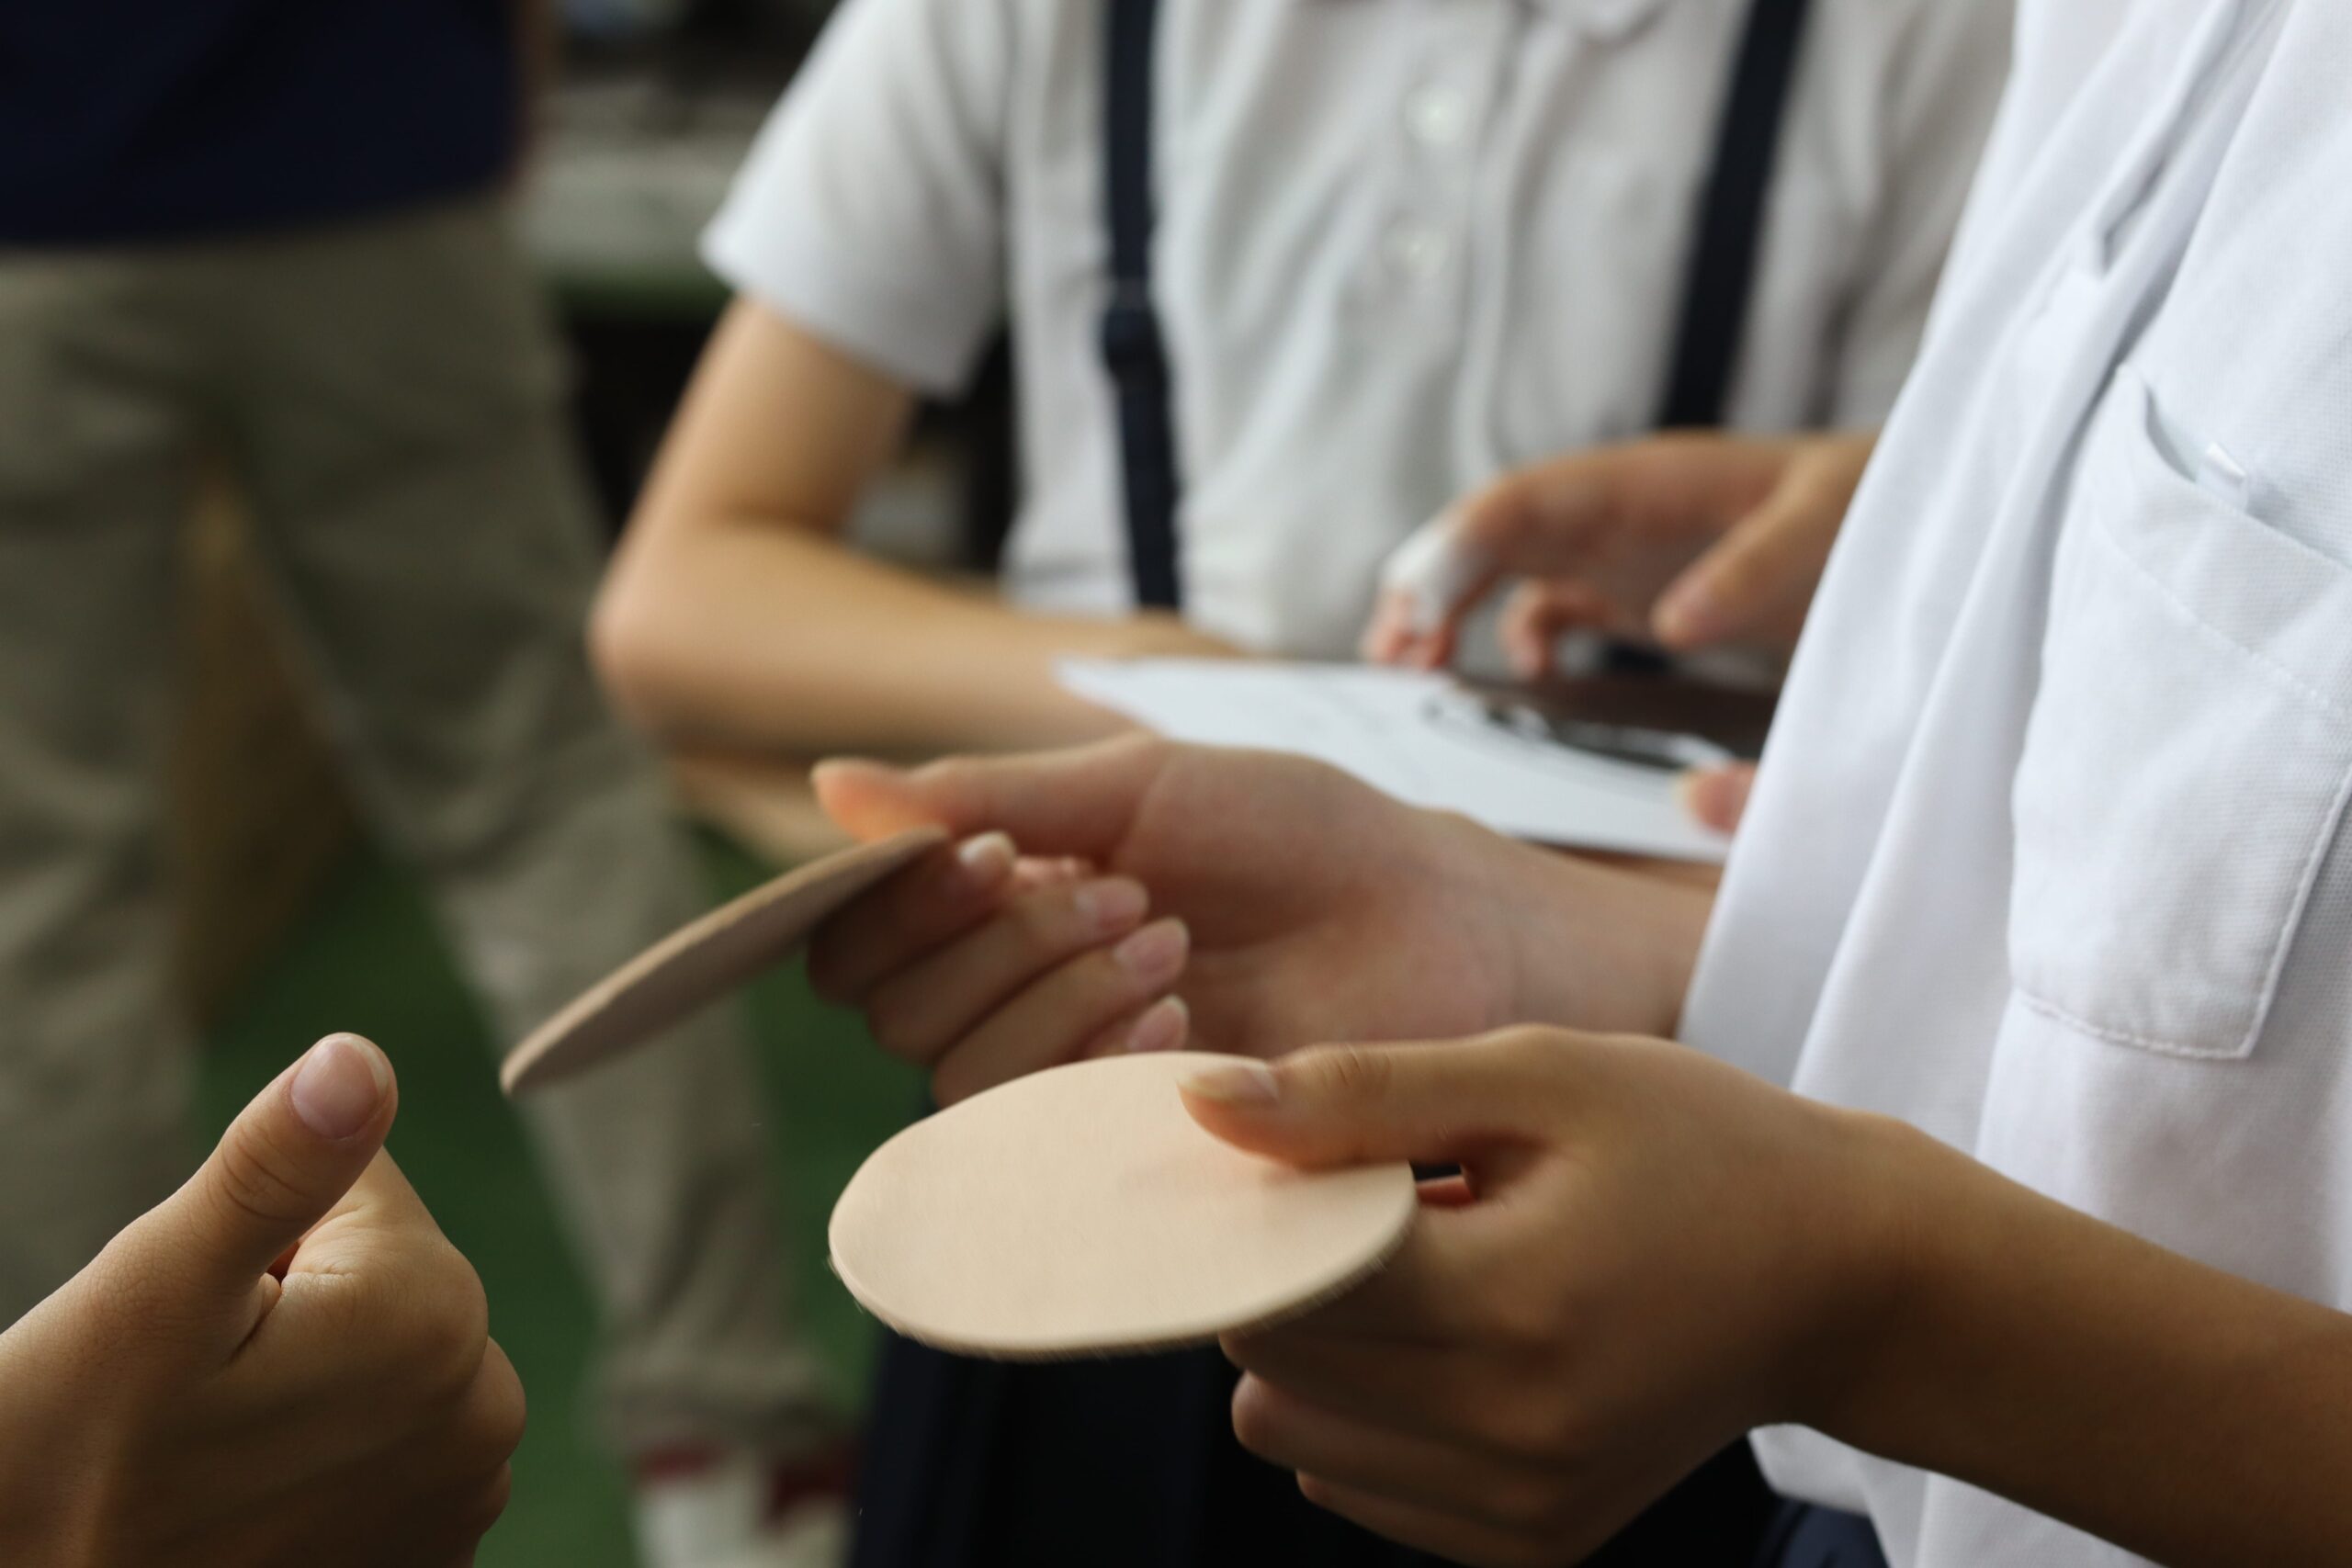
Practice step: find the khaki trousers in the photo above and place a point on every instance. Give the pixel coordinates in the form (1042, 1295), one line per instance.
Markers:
(387, 396)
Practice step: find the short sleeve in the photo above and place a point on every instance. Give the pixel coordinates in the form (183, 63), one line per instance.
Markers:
(1943, 86)
(871, 211)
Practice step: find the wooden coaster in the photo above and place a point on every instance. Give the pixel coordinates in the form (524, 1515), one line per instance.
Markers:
(1082, 1211)
(695, 966)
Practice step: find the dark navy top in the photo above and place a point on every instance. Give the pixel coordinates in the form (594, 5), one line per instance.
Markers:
(131, 120)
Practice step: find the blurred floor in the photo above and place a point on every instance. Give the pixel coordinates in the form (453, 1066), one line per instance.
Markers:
(367, 958)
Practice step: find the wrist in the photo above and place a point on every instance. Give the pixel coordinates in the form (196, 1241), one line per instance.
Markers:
(1595, 947)
(1880, 1211)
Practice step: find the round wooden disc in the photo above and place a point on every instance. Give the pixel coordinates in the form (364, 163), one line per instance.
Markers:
(1082, 1210)
(699, 963)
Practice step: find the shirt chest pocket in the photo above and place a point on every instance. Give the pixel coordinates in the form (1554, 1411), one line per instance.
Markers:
(2189, 752)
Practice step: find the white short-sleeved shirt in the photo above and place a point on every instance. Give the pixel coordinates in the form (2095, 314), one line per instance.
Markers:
(1401, 245)
(2048, 855)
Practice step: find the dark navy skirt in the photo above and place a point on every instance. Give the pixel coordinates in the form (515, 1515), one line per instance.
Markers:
(1133, 1462)
(1807, 1537)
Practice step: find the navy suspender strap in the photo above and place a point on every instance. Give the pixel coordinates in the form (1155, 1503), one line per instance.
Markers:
(1717, 288)
(1721, 283)
(1133, 349)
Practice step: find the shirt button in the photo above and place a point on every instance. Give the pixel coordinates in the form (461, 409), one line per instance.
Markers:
(1436, 115)
(1417, 249)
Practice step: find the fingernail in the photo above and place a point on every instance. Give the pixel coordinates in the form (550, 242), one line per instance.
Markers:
(1162, 1027)
(1110, 908)
(1241, 1083)
(986, 861)
(341, 1082)
(1155, 953)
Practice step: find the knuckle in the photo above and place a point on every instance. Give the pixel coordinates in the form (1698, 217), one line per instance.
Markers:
(358, 1309)
(943, 775)
(1348, 1075)
(444, 1330)
(1141, 744)
(1518, 1042)
(506, 1386)
(1521, 1323)
(490, 1505)
(475, 1511)
(514, 1419)
(1525, 1053)
(498, 1413)
(1501, 516)
(1548, 1431)
(259, 1182)
(118, 1298)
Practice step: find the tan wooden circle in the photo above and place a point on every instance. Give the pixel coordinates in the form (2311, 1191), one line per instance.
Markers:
(697, 965)
(1081, 1212)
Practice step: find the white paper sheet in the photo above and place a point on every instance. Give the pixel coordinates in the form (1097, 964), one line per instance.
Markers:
(1410, 735)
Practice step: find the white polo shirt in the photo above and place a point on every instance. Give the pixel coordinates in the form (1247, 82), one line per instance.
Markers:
(2047, 854)
(1401, 244)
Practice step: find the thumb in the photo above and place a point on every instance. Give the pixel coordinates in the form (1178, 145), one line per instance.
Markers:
(1340, 1105)
(1076, 802)
(286, 1161)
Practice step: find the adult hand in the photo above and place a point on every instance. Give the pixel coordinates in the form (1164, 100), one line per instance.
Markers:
(1651, 1253)
(1253, 902)
(283, 1363)
(1691, 539)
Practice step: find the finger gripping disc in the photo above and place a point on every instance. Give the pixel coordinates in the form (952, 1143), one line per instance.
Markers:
(1081, 1212)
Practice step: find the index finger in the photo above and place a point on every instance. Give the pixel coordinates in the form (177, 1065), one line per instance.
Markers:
(940, 897)
(1427, 1293)
(380, 1202)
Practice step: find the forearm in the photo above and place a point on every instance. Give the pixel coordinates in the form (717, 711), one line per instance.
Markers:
(2179, 1411)
(769, 639)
